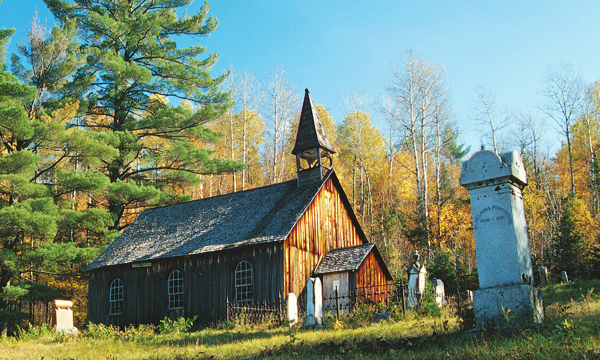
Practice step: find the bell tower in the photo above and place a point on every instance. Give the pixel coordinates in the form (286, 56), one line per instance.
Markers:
(314, 153)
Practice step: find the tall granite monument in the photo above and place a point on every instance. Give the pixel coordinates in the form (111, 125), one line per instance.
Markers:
(495, 183)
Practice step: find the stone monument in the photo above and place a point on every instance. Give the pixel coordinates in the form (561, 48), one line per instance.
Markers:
(62, 317)
(495, 183)
(417, 276)
(314, 303)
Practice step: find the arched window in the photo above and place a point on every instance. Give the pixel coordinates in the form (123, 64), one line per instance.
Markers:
(116, 297)
(243, 281)
(176, 290)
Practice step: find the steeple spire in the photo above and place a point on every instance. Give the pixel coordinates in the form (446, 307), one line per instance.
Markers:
(312, 145)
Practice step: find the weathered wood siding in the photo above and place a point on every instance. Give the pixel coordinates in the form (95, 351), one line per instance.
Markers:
(325, 225)
(371, 280)
(208, 281)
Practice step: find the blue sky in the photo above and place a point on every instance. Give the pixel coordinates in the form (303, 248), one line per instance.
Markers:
(337, 48)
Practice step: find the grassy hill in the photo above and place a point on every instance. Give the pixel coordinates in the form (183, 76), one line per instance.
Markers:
(571, 331)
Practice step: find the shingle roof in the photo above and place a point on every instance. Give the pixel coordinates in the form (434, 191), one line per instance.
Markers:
(255, 216)
(345, 259)
(311, 132)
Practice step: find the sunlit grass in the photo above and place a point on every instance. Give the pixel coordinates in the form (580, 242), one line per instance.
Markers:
(572, 330)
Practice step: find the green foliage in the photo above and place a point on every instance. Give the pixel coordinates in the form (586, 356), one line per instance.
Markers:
(466, 315)
(133, 65)
(565, 337)
(179, 326)
(101, 331)
(427, 304)
(35, 332)
(5, 35)
(568, 248)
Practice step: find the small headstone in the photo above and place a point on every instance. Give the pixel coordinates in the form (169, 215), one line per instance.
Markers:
(440, 294)
(291, 303)
(318, 292)
(565, 277)
(379, 317)
(469, 294)
(62, 317)
(309, 318)
(543, 276)
(314, 303)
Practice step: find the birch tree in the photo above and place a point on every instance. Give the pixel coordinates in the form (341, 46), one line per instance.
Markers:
(489, 118)
(564, 92)
(280, 104)
(417, 92)
(361, 151)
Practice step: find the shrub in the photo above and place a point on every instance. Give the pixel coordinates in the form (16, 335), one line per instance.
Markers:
(34, 332)
(466, 314)
(102, 332)
(428, 306)
(179, 326)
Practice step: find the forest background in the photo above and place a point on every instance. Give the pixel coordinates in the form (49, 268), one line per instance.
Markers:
(104, 116)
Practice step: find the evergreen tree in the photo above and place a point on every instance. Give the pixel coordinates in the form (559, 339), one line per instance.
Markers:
(568, 244)
(133, 67)
(36, 156)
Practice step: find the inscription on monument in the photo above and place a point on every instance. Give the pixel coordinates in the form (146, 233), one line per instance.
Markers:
(490, 214)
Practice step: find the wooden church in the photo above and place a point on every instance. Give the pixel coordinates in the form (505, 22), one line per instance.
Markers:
(189, 259)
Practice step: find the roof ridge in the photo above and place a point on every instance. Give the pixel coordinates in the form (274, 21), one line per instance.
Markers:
(221, 195)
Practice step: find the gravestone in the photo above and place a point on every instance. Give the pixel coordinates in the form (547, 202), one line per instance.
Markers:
(291, 303)
(417, 275)
(565, 277)
(440, 294)
(318, 291)
(314, 303)
(504, 264)
(62, 317)
(543, 276)
(379, 317)
(309, 318)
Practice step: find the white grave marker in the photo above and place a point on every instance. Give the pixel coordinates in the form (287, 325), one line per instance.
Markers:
(314, 303)
(318, 291)
(291, 303)
(495, 183)
(440, 293)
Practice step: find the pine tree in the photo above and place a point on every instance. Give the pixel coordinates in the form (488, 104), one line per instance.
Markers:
(36, 156)
(134, 66)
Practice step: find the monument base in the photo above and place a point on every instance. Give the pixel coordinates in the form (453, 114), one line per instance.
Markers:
(526, 304)
(66, 330)
(310, 321)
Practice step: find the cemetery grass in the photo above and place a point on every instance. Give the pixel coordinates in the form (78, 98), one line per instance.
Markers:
(572, 331)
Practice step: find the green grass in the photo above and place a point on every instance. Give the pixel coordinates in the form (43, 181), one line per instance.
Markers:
(572, 331)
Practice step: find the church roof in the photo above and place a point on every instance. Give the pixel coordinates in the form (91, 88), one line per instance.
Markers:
(349, 259)
(311, 133)
(345, 259)
(261, 215)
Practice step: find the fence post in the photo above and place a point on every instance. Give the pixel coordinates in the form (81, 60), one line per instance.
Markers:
(228, 314)
(337, 303)
(281, 314)
(403, 299)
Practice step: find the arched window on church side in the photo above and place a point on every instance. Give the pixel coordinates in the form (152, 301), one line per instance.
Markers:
(243, 281)
(175, 290)
(116, 297)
